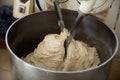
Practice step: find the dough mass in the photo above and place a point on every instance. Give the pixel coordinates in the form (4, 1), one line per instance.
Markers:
(50, 52)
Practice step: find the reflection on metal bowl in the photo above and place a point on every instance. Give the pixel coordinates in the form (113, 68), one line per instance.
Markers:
(25, 34)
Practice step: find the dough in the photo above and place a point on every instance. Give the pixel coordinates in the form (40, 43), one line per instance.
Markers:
(49, 54)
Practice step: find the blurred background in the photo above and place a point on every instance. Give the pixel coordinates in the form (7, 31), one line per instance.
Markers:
(110, 17)
(6, 2)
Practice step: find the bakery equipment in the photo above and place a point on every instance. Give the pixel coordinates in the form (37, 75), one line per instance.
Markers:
(22, 8)
(74, 29)
(24, 35)
(59, 15)
(99, 5)
(26, 7)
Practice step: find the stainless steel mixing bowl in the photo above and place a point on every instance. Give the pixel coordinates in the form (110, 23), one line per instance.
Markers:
(25, 34)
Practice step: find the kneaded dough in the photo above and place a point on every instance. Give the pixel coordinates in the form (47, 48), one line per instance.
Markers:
(49, 54)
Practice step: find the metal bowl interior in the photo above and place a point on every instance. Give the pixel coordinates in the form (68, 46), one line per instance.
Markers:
(25, 34)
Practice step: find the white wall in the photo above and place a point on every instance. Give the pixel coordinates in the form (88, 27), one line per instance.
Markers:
(6, 2)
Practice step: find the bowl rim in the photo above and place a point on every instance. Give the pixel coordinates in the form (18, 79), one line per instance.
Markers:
(53, 71)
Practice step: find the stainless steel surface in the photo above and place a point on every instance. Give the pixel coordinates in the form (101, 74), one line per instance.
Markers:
(59, 14)
(60, 22)
(5, 69)
(24, 35)
(74, 29)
